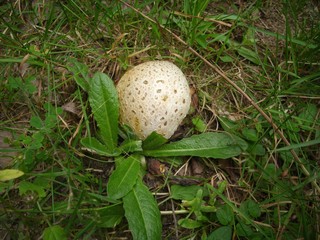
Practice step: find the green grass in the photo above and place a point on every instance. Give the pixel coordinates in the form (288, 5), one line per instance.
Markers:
(271, 53)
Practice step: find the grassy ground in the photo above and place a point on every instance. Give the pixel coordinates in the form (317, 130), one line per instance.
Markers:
(254, 70)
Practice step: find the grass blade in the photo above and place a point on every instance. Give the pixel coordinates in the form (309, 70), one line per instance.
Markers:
(299, 145)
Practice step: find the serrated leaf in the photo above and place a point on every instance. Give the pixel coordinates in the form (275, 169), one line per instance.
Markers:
(214, 145)
(54, 233)
(80, 73)
(94, 145)
(142, 213)
(9, 174)
(221, 233)
(124, 177)
(103, 99)
(153, 141)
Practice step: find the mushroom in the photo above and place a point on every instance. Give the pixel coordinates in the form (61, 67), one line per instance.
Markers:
(153, 96)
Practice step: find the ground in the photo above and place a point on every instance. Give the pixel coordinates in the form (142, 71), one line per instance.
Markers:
(253, 71)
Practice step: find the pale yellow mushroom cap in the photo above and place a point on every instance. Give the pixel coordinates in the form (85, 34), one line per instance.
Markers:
(153, 96)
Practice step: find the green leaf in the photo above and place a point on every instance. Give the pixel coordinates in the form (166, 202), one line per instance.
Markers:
(110, 216)
(199, 124)
(29, 85)
(308, 115)
(253, 208)
(243, 230)
(221, 233)
(226, 59)
(248, 54)
(94, 145)
(14, 83)
(228, 125)
(80, 73)
(131, 145)
(202, 41)
(257, 149)
(124, 177)
(214, 145)
(189, 223)
(36, 122)
(9, 174)
(105, 107)
(249, 38)
(142, 213)
(184, 192)
(25, 186)
(43, 182)
(54, 233)
(36, 141)
(250, 134)
(153, 141)
(270, 172)
(225, 215)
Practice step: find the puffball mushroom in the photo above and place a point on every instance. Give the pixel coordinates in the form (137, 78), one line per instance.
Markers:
(153, 96)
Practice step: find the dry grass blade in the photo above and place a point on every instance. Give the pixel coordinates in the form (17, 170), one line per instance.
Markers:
(204, 19)
(234, 85)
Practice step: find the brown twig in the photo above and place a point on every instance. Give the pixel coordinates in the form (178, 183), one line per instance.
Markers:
(234, 85)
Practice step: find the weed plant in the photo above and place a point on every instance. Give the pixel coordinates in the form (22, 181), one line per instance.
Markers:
(253, 67)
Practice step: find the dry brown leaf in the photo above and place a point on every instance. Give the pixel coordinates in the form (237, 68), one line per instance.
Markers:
(71, 107)
(196, 167)
(23, 67)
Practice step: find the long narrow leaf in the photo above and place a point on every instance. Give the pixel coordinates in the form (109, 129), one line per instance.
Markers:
(142, 213)
(214, 145)
(105, 106)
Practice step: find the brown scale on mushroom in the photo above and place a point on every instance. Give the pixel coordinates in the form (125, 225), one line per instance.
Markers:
(159, 98)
